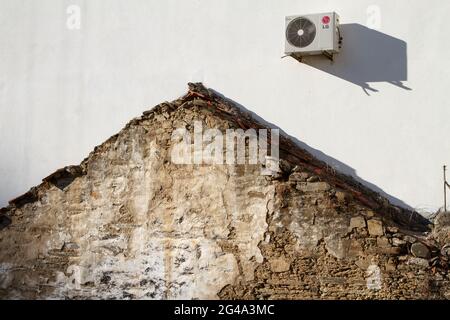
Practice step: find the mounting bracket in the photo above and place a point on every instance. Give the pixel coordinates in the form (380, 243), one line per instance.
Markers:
(328, 55)
(300, 58)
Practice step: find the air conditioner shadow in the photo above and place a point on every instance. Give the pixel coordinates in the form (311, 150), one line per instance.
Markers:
(367, 56)
(332, 162)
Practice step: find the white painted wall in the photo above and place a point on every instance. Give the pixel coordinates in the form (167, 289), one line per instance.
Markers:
(63, 91)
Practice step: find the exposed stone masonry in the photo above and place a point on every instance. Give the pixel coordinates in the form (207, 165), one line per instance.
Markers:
(127, 223)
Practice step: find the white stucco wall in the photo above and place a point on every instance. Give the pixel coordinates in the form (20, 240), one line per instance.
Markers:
(63, 91)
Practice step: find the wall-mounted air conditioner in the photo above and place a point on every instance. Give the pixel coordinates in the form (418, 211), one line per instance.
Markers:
(313, 34)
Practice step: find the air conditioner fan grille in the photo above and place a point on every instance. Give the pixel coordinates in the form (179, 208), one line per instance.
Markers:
(301, 32)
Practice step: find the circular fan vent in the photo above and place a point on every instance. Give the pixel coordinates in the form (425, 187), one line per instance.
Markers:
(300, 32)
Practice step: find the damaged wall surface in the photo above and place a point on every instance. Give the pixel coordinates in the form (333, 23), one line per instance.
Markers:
(128, 223)
(66, 87)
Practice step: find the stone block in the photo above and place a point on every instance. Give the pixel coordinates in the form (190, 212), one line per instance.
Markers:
(391, 251)
(409, 239)
(375, 227)
(420, 250)
(279, 265)
(355, 248)
(357, 222)
(383, 242)
(313, 187)
(398, 242)
(299, 176)
(342, 197)
(419, 262)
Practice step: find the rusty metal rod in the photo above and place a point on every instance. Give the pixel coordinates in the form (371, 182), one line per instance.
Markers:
(445, 189)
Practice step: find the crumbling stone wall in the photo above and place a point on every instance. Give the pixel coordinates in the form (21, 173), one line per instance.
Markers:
(321, 245)
(129, 223)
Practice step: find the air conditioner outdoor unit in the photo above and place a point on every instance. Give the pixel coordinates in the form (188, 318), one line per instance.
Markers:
(313, 34)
